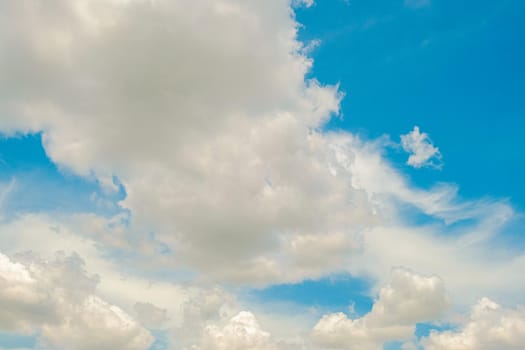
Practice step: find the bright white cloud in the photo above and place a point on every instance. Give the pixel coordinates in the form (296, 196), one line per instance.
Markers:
(95, 324)
(203, 111)
(422, 151)
(212, 131)
(408, 299)
(462, 253)
(241, 332)
(199, 310)
(490, 327)
(55, 299)
(189, 310)
(181, 310)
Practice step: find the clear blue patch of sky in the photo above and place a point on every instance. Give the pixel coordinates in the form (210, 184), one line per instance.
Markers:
(424, 329)
(454, 68)
(161, 340)
(394, 345)
(39, 186)
(331, 294)
(16, 341)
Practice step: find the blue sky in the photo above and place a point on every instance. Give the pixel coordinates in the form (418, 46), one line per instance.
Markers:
(462, 59)
(39, 185)
(280, 207)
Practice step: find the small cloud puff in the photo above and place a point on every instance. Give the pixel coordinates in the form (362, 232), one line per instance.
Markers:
(422, 151)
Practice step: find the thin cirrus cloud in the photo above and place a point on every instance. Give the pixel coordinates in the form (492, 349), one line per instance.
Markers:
(204, 113)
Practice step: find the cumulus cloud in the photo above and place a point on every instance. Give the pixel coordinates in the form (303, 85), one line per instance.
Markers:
(190, 308)
(241, 332)
(211, 131)
(55, 300)
(150, 315)
(96, 324)
(422, 151)
(408, 299)
(462, 253)
(201, 309)
(490, 327)
(180, 310)
(203, 111)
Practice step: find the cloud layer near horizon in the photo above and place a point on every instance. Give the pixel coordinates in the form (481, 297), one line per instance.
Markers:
(56, 300)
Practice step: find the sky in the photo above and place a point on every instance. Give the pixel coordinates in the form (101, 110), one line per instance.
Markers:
(262, 175)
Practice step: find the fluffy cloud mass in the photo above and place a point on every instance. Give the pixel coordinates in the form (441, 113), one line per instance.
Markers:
(195, 123)
(490, 327)
(241, 332)
(55, 299)
(203, 115)
(407, 300)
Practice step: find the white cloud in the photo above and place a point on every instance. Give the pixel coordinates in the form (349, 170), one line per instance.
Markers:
(462, 252)
(190, 309)
(490, 327)
(150, 315)
(55, 299)
(180, 309)
(95, 324)
(212, 130)
(23, 304)
(203, 111)
(200, 309)
(422, 151)
(241, 332)
(408, 299)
